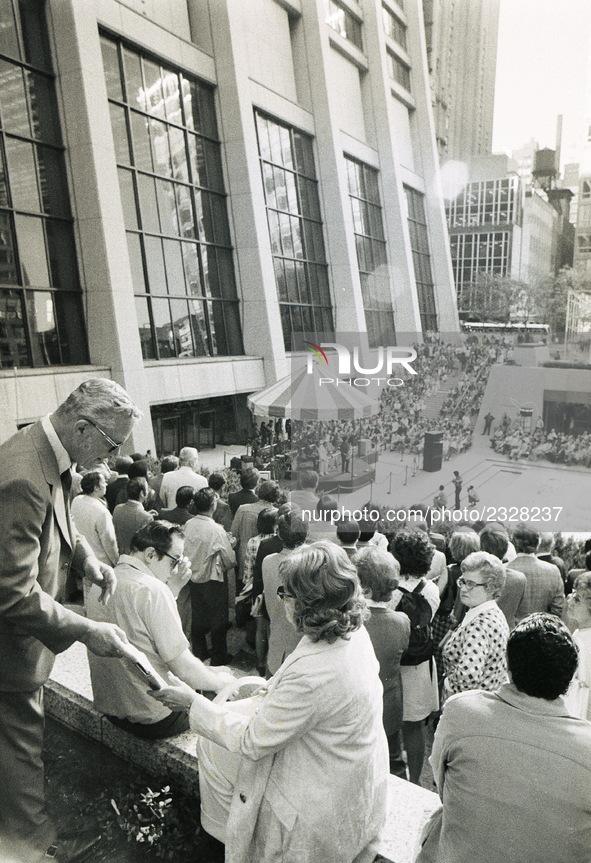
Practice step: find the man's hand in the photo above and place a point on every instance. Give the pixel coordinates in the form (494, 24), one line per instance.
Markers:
(106, 639)
(180, 576)
(103, 575)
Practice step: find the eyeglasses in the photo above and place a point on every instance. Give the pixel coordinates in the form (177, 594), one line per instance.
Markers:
(283, 594)
(470, 585)
(176, 560)
(113, 445)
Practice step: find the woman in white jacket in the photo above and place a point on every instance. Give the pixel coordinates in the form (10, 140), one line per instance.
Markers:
(304, 778)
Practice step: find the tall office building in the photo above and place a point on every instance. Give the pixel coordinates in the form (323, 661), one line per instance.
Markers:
(185, 183)
(462, 51)
(499, 228)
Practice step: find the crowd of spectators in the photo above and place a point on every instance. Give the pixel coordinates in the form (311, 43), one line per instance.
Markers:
(401, 423)
(537, 443)
(343, 631)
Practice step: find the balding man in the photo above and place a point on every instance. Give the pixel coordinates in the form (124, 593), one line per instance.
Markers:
(185, 474)
(38, 542)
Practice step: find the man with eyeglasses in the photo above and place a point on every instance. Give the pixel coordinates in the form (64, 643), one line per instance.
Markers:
(38, 542)
(149, 579)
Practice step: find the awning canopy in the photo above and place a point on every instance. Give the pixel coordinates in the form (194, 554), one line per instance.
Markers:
(304, 397)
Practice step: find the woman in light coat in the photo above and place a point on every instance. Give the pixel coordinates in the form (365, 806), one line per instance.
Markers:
(304, 778)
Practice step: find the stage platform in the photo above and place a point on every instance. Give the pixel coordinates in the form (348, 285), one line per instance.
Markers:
(362, 474)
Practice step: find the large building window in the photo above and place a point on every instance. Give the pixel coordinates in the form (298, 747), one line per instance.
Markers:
(295, 228)
(474, 254)
(398, 71)
(489, 202)
(174, 203)
(344, 23)
(41, 321)
(421, 258)
(371, 253)
(394, 28)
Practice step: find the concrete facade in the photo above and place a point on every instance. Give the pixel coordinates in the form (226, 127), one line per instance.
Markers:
(274, 58)
(462, 51)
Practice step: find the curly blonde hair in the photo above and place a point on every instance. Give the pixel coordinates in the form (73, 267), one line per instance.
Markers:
(329, 603)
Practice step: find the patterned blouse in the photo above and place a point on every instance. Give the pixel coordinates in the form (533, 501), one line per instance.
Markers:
(474, 655)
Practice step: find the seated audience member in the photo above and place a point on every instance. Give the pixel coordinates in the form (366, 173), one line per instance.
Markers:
(128, 517)
(208, 548)
(168, 464)
(144, 607)
(512, 768)
(249, 479)
(347, 536)
(305, 496)
(222, 513)
(283, 638)
(389, 632)
(474, 653)
(304, 778)
(182, 512)
(93, 519)
(495, 542)
(544, 588)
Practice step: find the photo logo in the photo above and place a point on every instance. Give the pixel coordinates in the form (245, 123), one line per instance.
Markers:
(318, 352)
(388, 357)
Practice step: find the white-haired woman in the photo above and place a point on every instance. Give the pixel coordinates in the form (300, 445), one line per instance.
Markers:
(305, 777)
(474, 653)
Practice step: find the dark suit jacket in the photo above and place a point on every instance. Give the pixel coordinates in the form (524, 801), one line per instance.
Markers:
(38, 541)
(237, 498)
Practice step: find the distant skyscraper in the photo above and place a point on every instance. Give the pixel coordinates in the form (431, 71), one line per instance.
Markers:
(462, 54)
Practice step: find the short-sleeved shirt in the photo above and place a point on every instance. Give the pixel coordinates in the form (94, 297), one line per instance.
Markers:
(145, 609)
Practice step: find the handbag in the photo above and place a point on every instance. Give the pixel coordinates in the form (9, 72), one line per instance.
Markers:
(248, 705)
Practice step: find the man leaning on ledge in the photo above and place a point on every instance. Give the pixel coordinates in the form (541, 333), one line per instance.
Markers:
(38, 542)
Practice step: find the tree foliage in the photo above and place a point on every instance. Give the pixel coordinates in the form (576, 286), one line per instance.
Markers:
(543, 300)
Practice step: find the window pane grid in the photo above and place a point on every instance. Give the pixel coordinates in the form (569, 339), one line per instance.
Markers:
(395, 29)
(175, 206)
(295, 228)
(41, 319)
(474, 254)
(371, 252)
(398, 71)
(492, 202)
(419, 242)
(344, 23)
